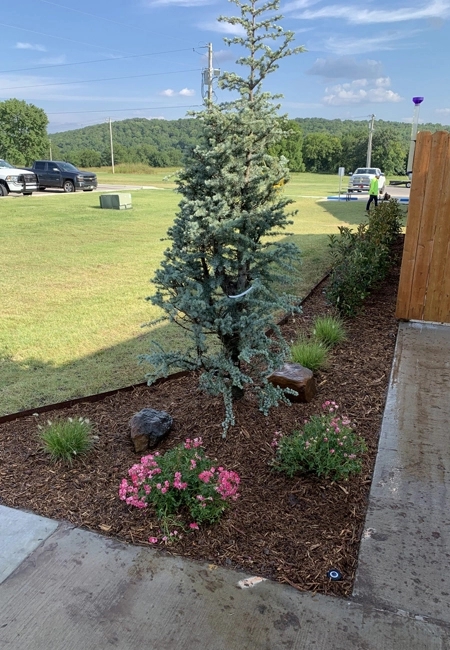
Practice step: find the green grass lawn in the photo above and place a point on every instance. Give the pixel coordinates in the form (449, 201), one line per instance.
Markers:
(74, 278)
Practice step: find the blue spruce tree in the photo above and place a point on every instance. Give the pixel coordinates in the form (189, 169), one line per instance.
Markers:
(220, 278)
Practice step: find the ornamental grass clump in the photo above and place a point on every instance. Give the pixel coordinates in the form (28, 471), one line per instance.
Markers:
(65, 439)
(182, 481)
(327, 446)
(329, 330)
(309, 353)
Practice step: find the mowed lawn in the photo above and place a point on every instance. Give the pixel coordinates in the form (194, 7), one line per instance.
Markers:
(74, 279)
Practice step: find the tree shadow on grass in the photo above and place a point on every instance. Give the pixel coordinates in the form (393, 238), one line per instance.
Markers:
(31, 383)
(353, 212)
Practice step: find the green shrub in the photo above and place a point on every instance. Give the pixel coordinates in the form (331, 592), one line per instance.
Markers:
(327, 446)
(329, 330)
(309, 353)
(361, 259)
(64, 439)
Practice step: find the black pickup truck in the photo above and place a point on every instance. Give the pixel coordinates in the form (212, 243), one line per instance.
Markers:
(54, 174)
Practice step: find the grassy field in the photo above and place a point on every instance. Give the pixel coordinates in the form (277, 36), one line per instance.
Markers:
(74, 278)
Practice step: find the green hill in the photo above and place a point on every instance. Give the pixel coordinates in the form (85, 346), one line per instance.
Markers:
(321, 145)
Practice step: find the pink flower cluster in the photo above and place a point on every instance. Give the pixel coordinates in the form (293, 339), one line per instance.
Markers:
(140, 475)
(227, 485)
(145, 470)
(177, 482)
(330, 406)
(208, 474)
(203, 500)
(276, 439)
(191, 444)
(164, 538)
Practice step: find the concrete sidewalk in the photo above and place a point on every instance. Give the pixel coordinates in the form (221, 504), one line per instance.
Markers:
(66, 588)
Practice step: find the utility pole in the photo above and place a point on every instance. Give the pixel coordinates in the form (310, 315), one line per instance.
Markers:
(208, 75)
(111, 142)
(369, 146)
(210, 72)
(50, 142)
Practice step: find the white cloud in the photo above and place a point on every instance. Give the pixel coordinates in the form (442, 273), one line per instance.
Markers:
(30, 46)
(177, 3)
(220, 56)
(299, 4)
(300, 105)
(383, 42)
(53, 60)
(357, 15)
(361, 91)
(185, 92)
(222, 28)
(346, 67)
(444, 111)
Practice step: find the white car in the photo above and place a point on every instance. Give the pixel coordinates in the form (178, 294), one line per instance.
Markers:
(21, 181)
(360, 180)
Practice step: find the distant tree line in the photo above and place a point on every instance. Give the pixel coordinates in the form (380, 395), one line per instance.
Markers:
(313, 144)
(23, 132)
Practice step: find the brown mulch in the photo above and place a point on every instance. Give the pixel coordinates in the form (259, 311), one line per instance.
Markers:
(289, 530)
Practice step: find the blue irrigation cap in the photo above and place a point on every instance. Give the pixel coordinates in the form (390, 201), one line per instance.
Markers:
(334, 574)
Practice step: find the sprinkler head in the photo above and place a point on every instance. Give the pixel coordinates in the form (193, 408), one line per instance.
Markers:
(334, 574)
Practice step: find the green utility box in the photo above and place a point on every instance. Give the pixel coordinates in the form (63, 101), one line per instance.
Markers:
(115, 201)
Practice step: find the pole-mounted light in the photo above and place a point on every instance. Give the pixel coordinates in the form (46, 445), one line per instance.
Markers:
(415, 122)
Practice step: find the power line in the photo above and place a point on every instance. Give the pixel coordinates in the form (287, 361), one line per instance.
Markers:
(61, 38)
(124, 110)
(85, 81)
(117, 58)
(110, 20)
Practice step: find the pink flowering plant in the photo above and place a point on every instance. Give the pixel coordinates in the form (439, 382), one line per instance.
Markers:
(181, 481)
(326, 446)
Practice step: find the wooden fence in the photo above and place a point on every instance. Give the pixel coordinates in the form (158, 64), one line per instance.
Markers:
(424, 290)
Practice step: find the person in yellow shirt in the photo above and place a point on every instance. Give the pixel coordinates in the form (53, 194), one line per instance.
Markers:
(373, 192)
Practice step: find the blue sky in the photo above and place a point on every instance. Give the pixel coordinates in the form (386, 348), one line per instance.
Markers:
(84, 62)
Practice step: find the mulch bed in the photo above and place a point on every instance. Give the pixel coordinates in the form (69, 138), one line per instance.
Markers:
(289, 530)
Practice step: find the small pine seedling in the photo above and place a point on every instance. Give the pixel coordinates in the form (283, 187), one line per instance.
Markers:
(65, 439)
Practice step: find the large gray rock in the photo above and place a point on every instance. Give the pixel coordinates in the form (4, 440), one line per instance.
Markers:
(296, 377)
(148, 428)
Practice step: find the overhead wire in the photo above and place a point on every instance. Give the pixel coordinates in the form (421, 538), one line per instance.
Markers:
(61, 38)
(117, 58)
(124, 110)
(71, 83)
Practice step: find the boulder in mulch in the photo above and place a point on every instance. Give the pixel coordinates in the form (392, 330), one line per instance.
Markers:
(296, 377)
(148, 428)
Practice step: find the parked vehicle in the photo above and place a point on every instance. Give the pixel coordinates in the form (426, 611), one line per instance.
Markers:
(64, 175)
(16, 180)
(359, 181)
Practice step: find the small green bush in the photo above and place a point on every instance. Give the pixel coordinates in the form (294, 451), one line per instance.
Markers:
(309, 353)
(329, 330)
(327, 446)
(64, 439)
(361, 259)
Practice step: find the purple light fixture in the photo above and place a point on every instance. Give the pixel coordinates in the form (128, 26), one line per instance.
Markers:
(415, 122)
